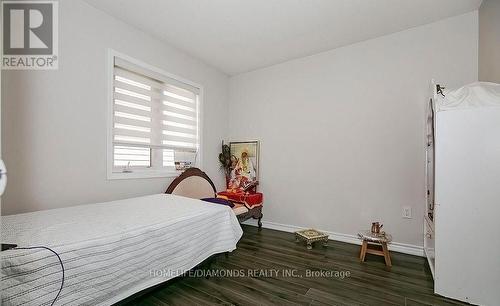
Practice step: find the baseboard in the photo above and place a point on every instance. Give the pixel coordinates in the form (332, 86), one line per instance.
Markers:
(353, 239)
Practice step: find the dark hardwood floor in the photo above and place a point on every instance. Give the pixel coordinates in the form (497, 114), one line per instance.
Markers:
(289, 280)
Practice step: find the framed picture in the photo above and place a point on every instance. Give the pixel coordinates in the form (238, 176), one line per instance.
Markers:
(244, 163)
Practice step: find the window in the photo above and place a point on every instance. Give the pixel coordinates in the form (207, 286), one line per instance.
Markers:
(154, 121)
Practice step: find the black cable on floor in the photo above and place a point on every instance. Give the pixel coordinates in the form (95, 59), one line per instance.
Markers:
(58, 257)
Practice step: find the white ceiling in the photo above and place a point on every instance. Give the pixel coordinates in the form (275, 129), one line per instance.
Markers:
(236, 36)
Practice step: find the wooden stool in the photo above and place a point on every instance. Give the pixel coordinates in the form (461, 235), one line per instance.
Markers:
(369, 239)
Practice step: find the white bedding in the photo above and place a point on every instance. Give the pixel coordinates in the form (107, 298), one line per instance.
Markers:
(110, 250)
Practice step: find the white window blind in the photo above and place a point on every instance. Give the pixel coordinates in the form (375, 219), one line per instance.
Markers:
(155, 118)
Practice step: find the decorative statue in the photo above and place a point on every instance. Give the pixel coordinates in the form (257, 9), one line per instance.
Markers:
(246, 166)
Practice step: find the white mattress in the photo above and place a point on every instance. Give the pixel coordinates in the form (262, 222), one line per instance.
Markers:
(110, 250)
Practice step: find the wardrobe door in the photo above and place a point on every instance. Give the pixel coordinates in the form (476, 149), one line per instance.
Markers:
(430, 156)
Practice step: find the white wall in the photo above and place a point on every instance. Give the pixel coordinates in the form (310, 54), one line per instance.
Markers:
(54, 122)
(489, 41)
(342, 132)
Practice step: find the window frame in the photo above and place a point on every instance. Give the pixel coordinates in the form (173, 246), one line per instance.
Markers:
(151, 172)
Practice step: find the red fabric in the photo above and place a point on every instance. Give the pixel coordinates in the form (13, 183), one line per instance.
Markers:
(250, 199)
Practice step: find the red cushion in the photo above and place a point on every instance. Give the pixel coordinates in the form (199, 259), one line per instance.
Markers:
(250, 200)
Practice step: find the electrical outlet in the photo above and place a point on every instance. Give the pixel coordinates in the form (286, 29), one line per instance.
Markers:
(407, 212)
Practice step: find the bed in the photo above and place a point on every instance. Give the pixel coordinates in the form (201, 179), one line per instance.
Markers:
(112, 250)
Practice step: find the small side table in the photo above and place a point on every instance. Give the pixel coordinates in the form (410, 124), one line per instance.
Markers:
(310, 236)
(370, 238)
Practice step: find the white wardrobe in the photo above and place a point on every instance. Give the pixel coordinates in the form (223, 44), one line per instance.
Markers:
(462, 225)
